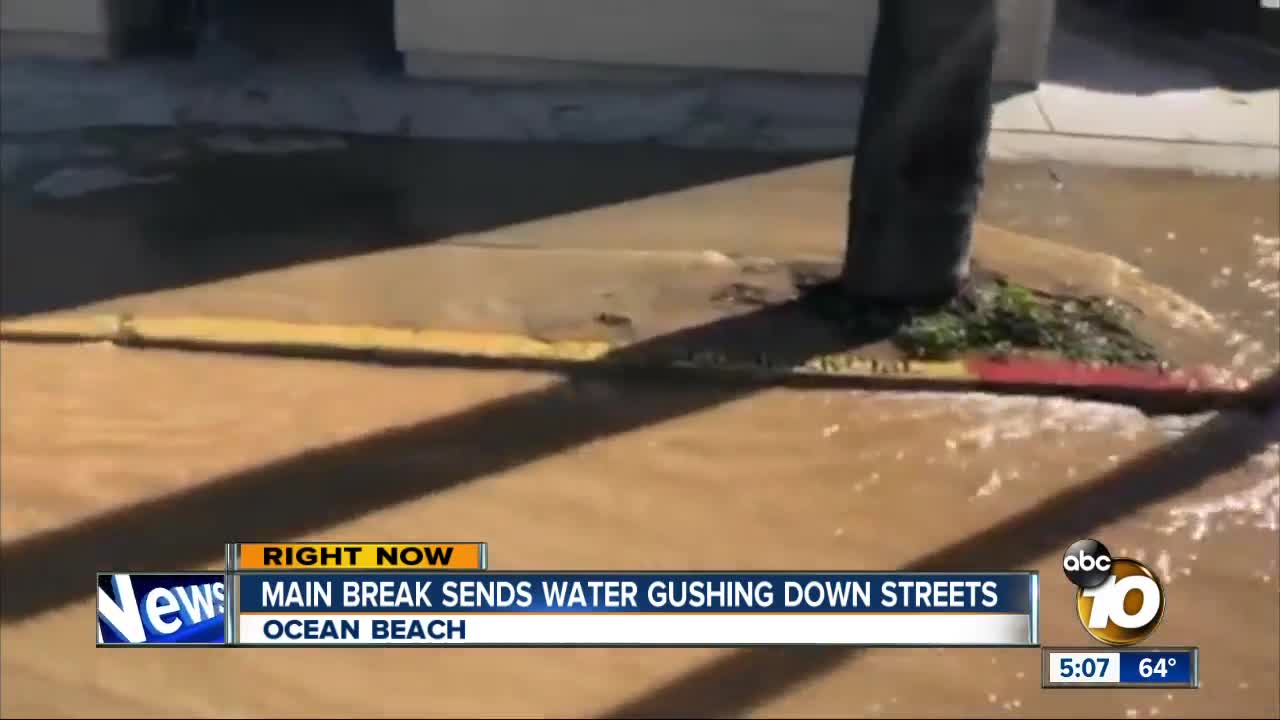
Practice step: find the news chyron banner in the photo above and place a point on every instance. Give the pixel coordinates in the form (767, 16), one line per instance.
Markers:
(199, 608)
(311, 594)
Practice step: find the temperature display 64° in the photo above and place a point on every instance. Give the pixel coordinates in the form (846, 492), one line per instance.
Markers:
(1121, 667)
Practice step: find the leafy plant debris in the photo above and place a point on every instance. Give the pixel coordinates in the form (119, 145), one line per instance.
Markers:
(994, 316)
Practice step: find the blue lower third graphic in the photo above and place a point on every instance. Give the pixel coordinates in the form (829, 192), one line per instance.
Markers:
(161, 609)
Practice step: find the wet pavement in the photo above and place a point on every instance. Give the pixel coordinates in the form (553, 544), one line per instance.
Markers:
(1214, 240)
(338, 229)
(113, 457)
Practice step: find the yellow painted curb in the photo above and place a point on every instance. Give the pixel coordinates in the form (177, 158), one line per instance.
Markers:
(243, 333)
(317, 341)
(837, 364)
(237, 332)
(76, 327)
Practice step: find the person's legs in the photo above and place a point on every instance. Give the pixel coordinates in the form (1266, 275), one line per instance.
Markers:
(921, 149)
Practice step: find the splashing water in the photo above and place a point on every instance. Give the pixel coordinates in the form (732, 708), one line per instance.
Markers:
(991, 486)
(1015, 418)
(1257, 506)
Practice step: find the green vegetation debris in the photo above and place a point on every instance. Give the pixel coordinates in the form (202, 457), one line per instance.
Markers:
(996, 317)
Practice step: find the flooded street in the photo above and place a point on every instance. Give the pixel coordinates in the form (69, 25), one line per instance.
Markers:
(642, 478)
(122, 459)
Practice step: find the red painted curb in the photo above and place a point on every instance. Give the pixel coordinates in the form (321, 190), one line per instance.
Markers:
(1035, 371)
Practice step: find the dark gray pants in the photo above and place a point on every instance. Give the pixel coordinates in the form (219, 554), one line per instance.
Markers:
(921, 149)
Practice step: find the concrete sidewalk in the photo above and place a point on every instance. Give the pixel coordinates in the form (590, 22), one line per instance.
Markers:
(1121, 95)
(1105, 101)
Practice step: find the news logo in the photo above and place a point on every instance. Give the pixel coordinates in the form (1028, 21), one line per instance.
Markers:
(1119, 600)
(161, 609)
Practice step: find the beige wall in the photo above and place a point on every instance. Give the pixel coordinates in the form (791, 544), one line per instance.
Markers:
(805, 36)
(449, 36)
(72, 16)
(62, 28)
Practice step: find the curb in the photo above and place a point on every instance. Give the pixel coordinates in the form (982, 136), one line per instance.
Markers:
(739, 110)
(1219, 159)
(1148, 388)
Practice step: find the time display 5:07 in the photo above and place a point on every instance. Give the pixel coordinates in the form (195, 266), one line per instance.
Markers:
(1100, 667)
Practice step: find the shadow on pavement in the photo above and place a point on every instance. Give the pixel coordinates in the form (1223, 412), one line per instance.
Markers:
(226, 213)
(315, 490)
(746, 678)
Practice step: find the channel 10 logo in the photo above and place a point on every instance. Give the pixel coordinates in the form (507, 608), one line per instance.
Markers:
(1119, 600)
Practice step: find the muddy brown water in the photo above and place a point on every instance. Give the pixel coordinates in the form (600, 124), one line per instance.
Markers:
(597, 475)
(1213, 240)
(636, 478)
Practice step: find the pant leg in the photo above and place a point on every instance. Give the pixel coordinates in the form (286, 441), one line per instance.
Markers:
(921, 148)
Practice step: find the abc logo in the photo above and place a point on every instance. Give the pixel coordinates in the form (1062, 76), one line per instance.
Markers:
(1119, 601)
